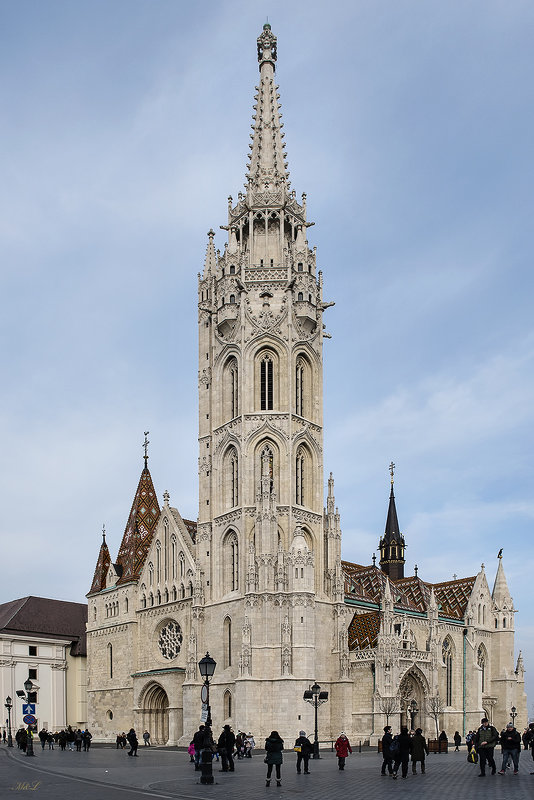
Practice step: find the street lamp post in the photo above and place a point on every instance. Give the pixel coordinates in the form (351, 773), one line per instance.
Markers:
(207, 666)
(314, 696)
(413, 711)
(513, 714)
(9, 706)
(28, 686)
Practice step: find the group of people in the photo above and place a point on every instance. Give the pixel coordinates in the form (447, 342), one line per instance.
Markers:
(227, 746)
(397, 750)
(486, 738)
(67, 739)
(125, 739)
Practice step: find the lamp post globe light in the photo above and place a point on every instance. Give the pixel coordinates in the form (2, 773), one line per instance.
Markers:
(316, 698)
(9, 706)
(28, 686)
(513, 714)
(207, 666)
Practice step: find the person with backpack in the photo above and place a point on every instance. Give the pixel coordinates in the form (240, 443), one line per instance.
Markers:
(485, 740)
(387, 751)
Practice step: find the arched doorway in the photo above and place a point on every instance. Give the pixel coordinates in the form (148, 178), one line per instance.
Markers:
(411, 689)
(155, 709)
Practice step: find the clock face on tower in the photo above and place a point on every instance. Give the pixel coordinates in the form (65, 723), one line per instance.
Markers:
(204, 694)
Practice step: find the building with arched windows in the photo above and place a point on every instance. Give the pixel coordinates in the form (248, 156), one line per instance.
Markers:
(258, 579)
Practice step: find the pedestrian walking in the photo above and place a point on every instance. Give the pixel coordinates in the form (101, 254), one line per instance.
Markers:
(132, 741)
(146, 738)
(198, 743)
(274, 746)
(485, 740)
(402, 758)
(457, 740)
(387, 754)
(419, 751)
(343, 748)
(511, 748)
(303, 748)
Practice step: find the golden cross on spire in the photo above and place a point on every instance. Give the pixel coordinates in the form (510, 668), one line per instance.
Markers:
(392, 470)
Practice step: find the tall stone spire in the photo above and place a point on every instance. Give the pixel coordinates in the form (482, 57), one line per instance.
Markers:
(392, 543)
(501, 593)
(268, 166)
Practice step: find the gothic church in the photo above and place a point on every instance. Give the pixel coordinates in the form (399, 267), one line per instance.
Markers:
(258, 579)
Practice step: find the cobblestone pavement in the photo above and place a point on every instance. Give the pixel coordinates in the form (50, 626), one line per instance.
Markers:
(105, 773)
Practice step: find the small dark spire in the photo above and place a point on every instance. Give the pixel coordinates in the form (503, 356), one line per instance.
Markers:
(415, 570)
(145, 445)
(104, 533)
(392, 543)
(374, 559)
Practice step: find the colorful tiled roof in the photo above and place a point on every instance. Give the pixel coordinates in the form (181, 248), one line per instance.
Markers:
(366, 584)
(363, 631)
(452, 596)
(191, 528)
(101, 570)
(139, 531)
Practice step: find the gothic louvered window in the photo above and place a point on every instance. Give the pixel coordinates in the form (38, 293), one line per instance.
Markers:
(299, 387)
(481, 661)
(234, 478)
(266, 383)
(300, 476)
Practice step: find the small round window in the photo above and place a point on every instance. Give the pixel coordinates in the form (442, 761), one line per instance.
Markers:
(170, 640)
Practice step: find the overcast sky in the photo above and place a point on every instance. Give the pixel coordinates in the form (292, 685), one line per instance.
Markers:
(124, 126)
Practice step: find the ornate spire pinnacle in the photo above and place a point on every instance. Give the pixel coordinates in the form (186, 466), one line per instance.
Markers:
(392, 543)
(102, 566)
(501, 593)
(210, 264)
(145, 445)
(268, 166)
(104, 533)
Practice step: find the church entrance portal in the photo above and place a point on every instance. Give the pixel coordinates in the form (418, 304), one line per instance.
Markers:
(411, 689)
(155, 712)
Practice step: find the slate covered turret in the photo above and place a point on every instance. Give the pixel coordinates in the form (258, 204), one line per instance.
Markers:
(392, 543)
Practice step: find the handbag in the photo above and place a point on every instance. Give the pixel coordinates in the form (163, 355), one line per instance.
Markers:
(472, 756)
(297, 748)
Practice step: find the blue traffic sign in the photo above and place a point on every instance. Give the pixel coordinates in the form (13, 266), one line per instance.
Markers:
(28, 708)
(29, 719)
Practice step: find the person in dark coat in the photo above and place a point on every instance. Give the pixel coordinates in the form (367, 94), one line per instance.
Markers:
(303, 755)
(511, 748)
(419, 750)
(132, 741)
(387, 755)
(198, 743)
(403, 755)
(457, 740)
(274, 746)
(226, 744)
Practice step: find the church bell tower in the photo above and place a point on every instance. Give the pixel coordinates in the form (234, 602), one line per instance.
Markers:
(266, 550)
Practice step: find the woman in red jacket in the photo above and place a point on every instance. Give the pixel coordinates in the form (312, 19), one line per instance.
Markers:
(343, 748)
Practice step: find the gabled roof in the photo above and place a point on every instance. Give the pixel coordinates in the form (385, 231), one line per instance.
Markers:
(39, 616)
(363, 631)
(139, 530)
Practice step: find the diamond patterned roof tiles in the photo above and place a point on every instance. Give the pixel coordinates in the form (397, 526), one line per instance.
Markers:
(139, 530)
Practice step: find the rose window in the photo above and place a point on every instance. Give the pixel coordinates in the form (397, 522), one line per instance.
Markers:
(170, 640)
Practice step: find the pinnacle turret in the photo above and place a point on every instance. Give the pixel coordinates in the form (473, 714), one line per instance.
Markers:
(392, 543)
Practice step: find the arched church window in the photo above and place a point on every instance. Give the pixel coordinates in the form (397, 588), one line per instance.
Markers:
(232, 299)
(232, 269)
(300, 476)
(481, 661)
(151, 598)
(446, 653)
(266, 383)
(110, 660)
(174, 593)
(227, 704)
(166, 595)
(182, 565)
(126, 604)
(300, 267)
(299, 387)
(158, 562)
(94, 612)
(231, 562)
(300, 296)
(143, 601)
(173, 556)
(190, 589)
(227, 642)
(151, 573)
(158, 597)
(504, 622)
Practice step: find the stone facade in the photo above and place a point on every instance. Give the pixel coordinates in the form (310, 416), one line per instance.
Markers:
(258, 579)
